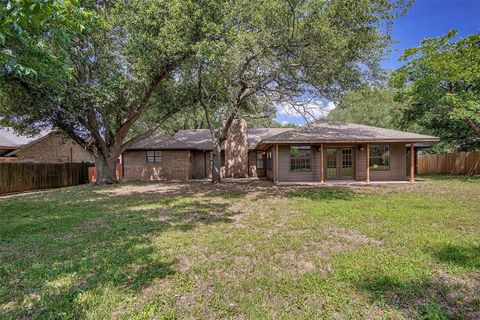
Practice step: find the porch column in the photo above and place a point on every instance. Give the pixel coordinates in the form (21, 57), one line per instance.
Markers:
(322, 178)
(368, 163)
(276, 164)
(412, 162)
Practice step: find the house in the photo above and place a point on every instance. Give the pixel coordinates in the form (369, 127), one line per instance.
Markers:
(188, 155)
(47, 147)
(326, 150)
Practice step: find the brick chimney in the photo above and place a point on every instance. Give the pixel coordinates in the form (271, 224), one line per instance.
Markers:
(236, 150)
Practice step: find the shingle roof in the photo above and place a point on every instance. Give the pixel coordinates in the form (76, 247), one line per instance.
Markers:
(200, 139)
(197, 139)
(339, 131)
(255, 136)
(161, 141)
(10, 139)
(320, 131)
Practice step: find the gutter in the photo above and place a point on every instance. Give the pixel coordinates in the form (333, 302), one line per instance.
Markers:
(433, 139)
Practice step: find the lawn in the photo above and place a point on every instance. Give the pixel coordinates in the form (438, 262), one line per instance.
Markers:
(243, 250)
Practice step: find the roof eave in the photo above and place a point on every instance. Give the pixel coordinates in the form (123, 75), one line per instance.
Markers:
(167, 149)
(432, 139)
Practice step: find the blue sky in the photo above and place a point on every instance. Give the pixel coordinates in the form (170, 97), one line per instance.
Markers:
(425, 19)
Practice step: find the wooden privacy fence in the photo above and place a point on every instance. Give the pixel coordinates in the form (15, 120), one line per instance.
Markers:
(16, 177)
(464, 163)
(92, 173)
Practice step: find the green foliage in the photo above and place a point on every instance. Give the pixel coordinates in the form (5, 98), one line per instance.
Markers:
(370, 106)
(31, 29)
(114, 81)
(289, 50)
(440, 83)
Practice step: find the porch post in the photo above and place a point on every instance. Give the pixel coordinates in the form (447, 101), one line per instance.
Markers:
(322, 178)
(368, 163)
(412, 162)
(276, 164)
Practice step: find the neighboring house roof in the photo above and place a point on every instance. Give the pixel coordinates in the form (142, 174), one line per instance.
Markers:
(339, 131)
(13, 140)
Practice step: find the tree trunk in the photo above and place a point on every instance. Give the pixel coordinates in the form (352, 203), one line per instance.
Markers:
(105, 167)
(217, 161)
(471, 123)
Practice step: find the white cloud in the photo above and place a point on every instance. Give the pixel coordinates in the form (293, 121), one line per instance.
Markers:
(330, 106)
(310, 110)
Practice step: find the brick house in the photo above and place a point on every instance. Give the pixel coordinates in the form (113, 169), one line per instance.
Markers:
(326, 150)
(187, 155)
(47, 147)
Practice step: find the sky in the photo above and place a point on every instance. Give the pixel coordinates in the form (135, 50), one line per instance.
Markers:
(425, 19)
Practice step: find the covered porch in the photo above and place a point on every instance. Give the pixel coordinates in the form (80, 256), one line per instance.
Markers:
(340, 163)
(329, 151)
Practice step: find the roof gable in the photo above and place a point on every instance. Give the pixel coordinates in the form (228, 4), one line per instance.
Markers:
(11, 139)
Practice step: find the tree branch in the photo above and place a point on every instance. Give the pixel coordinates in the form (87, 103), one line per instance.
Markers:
(147, 133)
(475, 127)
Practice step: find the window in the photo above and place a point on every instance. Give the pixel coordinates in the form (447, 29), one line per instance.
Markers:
(380, 157)
(260, 160)
(154, 156)
(269, 160)
(300, 158)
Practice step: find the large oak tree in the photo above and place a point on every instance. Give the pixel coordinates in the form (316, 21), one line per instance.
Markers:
(112, 82)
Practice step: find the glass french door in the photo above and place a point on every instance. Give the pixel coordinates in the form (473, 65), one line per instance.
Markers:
(339, 163)
(332, 172)
(347, 163)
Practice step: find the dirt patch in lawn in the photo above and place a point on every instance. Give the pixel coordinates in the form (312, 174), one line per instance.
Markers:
(353, 236)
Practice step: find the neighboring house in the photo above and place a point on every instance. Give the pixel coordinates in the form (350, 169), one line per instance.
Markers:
(47, 147)
(325, 150)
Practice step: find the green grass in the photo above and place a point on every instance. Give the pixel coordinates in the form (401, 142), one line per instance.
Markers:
(243, 250)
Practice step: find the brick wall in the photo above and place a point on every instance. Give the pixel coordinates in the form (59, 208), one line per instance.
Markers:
(236, 151)
(54, 148)
(175, 165)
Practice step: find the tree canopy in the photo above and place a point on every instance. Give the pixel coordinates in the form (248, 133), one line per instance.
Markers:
(370, 106)
(286, 51)
(30, 28)
(440, 84)
(114, 82)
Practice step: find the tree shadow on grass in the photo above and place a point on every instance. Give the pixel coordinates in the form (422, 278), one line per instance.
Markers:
(441, 297)
(60, 251)
(467, 257)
